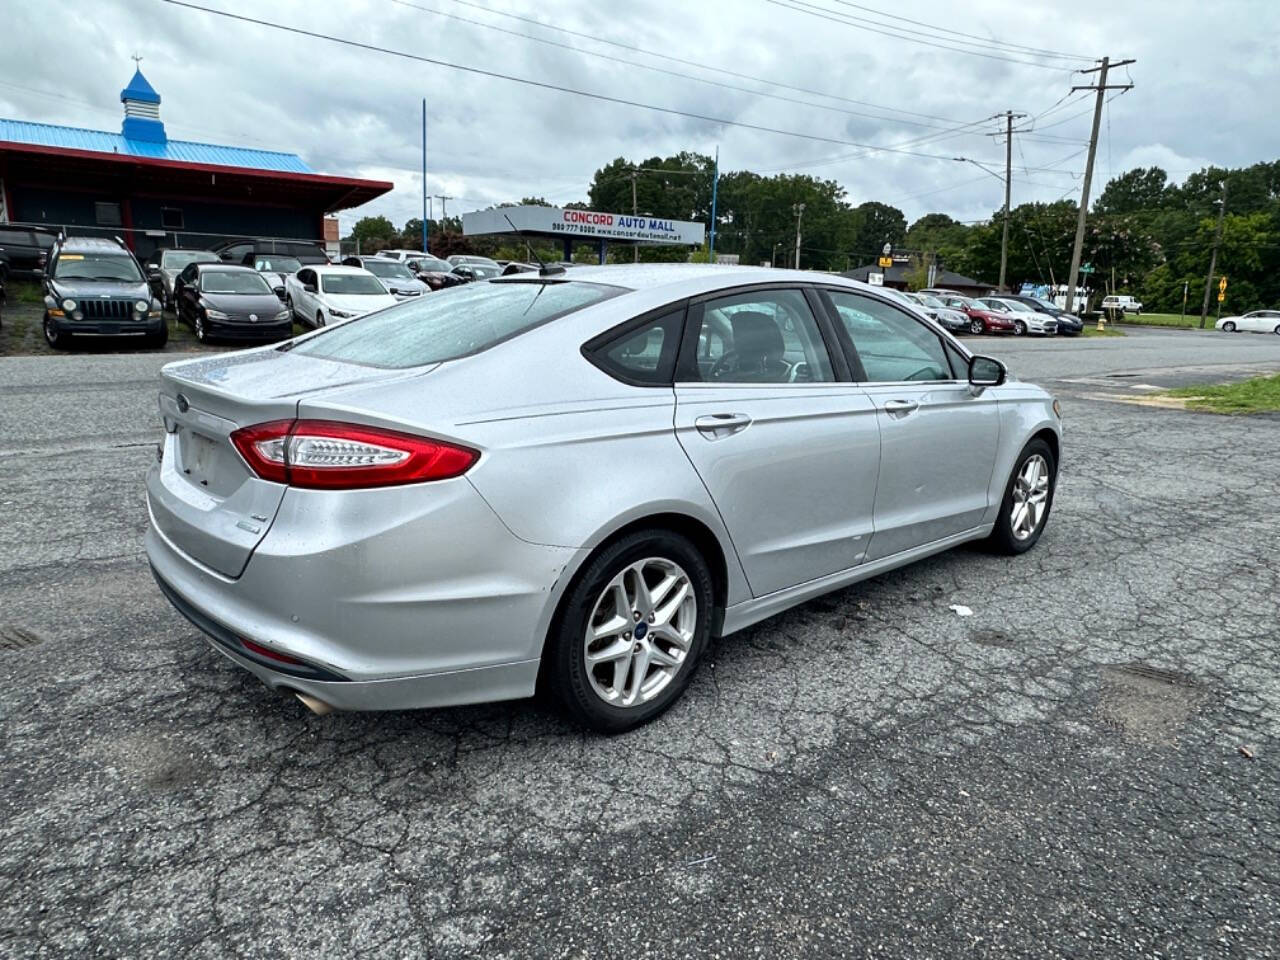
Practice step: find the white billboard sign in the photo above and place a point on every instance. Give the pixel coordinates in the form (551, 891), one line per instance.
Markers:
(583, 224)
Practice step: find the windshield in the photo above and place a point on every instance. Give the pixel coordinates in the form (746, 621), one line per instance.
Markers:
(930, 301)
(233, 281)
(177, 259)
(96, 266)
(483, 271)
(432, 265)
(387, 268)
(277, 264)
(356, 284)
(450, 324)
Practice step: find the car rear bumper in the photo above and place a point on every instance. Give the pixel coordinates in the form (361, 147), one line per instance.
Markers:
(441, 605)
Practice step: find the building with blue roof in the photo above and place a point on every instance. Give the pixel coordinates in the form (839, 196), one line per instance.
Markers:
(152, 191)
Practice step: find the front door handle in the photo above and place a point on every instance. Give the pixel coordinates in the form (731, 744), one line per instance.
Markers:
(716, 426)
(900, 407)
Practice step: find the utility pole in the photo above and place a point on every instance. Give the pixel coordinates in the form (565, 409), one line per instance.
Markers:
(635, 247)
(425, 248)
(715, 187)
(799, 211)
(1213, 257)
(444, 206)
(1009, 117)
(1102, 89)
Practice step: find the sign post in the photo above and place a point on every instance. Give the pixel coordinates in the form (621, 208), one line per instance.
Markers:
(886, 256)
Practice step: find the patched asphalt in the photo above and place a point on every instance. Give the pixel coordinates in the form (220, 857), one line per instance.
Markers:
(1085, 767)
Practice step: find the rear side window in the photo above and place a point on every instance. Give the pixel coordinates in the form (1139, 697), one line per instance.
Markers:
(643, 353)
(451, 323)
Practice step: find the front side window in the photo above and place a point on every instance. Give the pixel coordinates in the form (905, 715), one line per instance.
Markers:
(891, 345)
(96, 266)
(351, 284)
(235, 282)
(766, 336)
(452, 323)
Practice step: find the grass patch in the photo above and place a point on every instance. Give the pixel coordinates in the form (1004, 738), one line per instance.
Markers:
(1189, 322)
(1256, 395)
(21, 291)
(1095, 332)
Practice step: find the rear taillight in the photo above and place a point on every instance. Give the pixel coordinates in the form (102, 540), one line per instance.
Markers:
(328, 455)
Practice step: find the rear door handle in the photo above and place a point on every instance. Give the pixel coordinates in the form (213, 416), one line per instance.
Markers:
(716, 426)
(902, 407)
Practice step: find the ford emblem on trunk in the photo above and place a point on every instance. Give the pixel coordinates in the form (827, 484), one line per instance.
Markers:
(183, 404)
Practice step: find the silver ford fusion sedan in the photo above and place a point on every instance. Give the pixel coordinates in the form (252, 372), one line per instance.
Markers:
(577, 479)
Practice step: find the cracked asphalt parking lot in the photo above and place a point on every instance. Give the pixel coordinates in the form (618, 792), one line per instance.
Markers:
(870, 774)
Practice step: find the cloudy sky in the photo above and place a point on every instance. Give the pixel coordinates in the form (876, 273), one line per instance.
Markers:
(919, 77)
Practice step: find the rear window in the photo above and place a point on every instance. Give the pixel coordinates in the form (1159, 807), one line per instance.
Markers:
(451, 323)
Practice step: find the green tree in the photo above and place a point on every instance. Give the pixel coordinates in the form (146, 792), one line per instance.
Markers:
(374, 234)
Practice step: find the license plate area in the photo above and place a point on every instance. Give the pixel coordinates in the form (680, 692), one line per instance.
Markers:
(199, 456)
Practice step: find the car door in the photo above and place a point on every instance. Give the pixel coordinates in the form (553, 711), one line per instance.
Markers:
(303, 302)
(787, 447)
(938, 436)
(185, 291)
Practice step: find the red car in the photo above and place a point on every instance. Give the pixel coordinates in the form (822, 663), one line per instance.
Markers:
(981, 320)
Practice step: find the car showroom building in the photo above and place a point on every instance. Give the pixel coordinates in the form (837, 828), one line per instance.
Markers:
(152, 191)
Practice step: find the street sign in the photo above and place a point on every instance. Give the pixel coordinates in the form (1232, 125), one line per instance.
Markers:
(886, 261)
(1087, 268)
(875, 279)
(1221, 297)
(1222, 285)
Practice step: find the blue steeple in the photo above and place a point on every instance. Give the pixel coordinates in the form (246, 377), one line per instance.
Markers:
(142, 110)
(139, 89)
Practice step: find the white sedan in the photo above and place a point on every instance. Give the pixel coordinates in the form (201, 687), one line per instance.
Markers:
(319, 295)
(1256, 321)
(1025, 320)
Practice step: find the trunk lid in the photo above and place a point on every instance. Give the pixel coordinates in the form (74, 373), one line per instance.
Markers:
(202, 496)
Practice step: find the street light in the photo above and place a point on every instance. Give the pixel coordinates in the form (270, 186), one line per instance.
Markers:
(1004, 237)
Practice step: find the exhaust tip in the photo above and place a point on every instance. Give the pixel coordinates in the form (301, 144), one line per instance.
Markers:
(318, 707)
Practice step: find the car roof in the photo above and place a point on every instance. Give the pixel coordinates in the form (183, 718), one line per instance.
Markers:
(91, 245)
(215, 266)
(327, 268)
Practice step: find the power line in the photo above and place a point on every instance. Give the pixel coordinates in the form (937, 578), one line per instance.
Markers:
(696, 64)
(971, 36)
(834, 16)
(544, 85)
(669, 73)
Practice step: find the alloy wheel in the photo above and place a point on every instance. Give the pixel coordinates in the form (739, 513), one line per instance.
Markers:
(975, 326)
(200, 329)
(1030, 496)
(1019, 328)
(640, 632)
(1228, 327)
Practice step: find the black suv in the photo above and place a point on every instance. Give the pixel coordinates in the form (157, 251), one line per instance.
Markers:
(306, 252)
(95, 288)
(26, 249)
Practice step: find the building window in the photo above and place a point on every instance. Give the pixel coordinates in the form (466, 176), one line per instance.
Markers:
(107, 214)
(171, 218)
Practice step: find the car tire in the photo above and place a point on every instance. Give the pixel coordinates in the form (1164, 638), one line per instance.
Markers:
(1230, 327)
(1019, 328)
(1012, 535)
(55, 337)
(288, 302)
(975, 326)
(319, 319)
(160, 338)
(1276, 331)
(596, 695)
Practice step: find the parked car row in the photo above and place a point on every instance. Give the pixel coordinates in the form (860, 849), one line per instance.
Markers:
(1008, 313)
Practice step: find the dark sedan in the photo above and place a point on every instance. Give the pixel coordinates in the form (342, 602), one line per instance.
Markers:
(434, 272)
(235, 302)
(1069, 325)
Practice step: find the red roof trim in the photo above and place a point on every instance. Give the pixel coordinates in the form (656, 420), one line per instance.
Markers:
(318, 179)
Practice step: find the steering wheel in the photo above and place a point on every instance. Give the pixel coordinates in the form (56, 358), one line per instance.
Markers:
(718, 368)
(924, 373)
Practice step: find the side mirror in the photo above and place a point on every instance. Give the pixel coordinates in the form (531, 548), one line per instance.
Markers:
(309, 287)
(986, 372)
